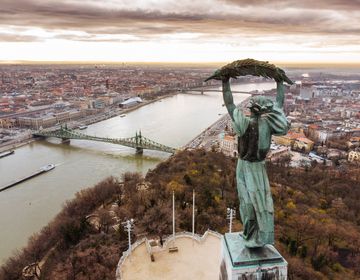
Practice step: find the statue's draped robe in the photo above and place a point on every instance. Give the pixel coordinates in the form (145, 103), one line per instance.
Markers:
(256, 204)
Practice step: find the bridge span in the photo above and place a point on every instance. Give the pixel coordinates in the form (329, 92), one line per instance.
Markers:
(137, 142)
(215, 90)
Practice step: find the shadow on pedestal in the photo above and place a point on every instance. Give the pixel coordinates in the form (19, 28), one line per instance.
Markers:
(242, 263)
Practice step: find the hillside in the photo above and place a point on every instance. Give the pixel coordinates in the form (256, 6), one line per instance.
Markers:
(316, 210)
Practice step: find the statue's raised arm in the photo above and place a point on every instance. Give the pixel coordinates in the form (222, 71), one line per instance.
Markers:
(228, 98)
(280, 97)
(240, 121)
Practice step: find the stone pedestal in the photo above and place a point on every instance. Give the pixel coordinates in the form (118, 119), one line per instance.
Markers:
(241, 263)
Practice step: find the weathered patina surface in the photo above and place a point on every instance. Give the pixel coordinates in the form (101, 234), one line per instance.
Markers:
(254, 133)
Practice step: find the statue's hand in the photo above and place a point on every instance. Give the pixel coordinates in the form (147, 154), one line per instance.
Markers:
(225, 79)
(220, 76)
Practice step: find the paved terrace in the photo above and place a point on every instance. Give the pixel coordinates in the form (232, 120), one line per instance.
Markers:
(197, 258)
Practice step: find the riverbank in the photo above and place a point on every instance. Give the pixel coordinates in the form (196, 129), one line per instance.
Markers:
(118, 112)
(17, 143)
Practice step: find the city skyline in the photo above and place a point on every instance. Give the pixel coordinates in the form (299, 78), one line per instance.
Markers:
(186, 31)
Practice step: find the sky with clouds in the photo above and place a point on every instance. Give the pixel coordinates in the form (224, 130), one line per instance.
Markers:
(180, 30)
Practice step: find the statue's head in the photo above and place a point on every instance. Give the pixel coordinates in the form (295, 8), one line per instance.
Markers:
(260, 105)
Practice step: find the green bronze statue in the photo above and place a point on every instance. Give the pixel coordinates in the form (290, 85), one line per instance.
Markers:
(254, 137)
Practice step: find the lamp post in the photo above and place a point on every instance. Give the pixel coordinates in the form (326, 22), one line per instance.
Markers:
(129, 226)
(173, 214)
(193, 214)
(230, 216)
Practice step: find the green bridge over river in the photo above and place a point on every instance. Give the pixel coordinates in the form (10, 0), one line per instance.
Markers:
(137, 142)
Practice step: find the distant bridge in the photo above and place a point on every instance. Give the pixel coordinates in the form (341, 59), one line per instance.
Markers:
(215, 90)
(137, 142)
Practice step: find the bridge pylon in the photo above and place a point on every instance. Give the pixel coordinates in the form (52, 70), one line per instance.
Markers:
(139, 140)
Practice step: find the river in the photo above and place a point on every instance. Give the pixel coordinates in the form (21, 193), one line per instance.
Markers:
(29, 206)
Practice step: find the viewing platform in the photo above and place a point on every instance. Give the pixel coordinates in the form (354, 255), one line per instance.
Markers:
(189, 257)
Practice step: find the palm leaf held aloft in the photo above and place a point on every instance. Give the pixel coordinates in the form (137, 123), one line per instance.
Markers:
(250, 67)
